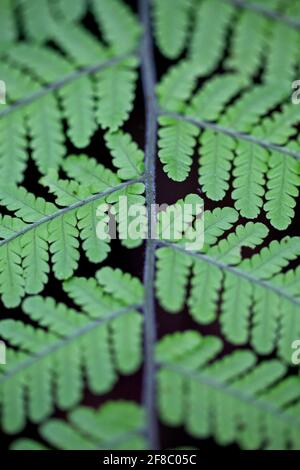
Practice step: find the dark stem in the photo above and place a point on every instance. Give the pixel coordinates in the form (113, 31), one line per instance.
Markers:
(148, 80)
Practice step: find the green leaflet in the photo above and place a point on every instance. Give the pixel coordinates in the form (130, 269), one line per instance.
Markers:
(172, 30)
(115, 91)
(211, 23)
(216, 154)
(70, 336)
(176, 145)
(127, 157)
(53, 233)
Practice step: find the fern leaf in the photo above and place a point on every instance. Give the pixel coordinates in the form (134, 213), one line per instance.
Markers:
(248, 43)
(172, 269)
(70, 11)
(45, 128)
(176, 143)
(209, 101)
(250, 168)
(64, 245)
(211, 24)
(115, 92)
(281, 61)
(12, 142)
(283, 182)
(249, 235)
(265, 320)
(246, 111)
(35, 260)
(216, 222)
(37, 19)
(279, 127)
(122, 286)
(88, 295)
(81, 46)
(24, 204)
(7, 22)
(11, 275)
(87, 171)
(273, 258)
(176, 86)
(96, 250)
(234, 391)
(127, 157)
(216, 154)
(78, 106)
(128, 354)
(71, 336)
(171, 30)
(115, 425)
(236, 309)
(186, 346)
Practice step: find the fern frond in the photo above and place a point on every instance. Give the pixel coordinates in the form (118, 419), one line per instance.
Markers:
(49, 229)
(37, 19)
(250, 167)
(279, 127)
(7, 22)
(233, 399)
(248, 287)
(115, 92)
(216, 155)
(59, 335)
(123, 286)
(87, 171)
(71, 11)
(283, 182)
(209, 101)
(171, 30)
(281, 56)
(116, 425)
(127, 157)
(246, 111)
(248, 43)
(176, 86)
(12, 142)
(118, 25)
(172, 269)
(78, 43)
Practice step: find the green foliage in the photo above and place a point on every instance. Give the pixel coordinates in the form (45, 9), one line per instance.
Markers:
(228, 131)
(234, 398)
(115, 426)
(97, 344)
